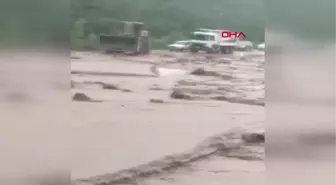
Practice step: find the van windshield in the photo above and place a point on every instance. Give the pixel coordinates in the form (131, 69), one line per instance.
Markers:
(200, 37)
(181, 42)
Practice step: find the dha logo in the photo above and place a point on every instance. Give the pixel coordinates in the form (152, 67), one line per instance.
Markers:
(229, 34)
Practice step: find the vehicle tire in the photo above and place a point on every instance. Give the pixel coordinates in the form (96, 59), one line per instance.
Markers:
(214, 49)
(217, 49)
(211, 50)
(145, 48)
(194, 50)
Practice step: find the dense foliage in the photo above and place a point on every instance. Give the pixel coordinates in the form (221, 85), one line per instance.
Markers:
(167, 20)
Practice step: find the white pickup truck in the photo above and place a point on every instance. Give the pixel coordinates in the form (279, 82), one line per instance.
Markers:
(181, 45)
(211, 41)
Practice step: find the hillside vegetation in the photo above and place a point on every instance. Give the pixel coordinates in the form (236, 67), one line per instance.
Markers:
(167, 20)
(26, 23)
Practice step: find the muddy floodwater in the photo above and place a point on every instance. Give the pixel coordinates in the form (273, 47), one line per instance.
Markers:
(182, 126)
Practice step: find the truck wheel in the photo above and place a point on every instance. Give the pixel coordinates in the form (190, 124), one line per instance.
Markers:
(223, 50)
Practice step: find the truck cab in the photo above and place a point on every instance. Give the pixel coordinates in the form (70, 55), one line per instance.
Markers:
(211, 41)
(204, 41)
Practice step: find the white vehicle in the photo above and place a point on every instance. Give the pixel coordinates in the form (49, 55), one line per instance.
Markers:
(244, 46)
(242, 49)
(179, 45)
(219, 33)
(261, 46)
(211, 41)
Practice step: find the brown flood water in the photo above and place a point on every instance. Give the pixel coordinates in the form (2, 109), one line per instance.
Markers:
(125, 130)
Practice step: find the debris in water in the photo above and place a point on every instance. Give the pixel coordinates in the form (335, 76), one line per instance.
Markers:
(156, 87)
(203, 72)
(109, 86)
(18, 97)
(126, 90)
(73, 84)
(83, 97)
(254, 137)
(220, 98)
(75, 57)
(156, 101)
(103, 85)
(178, 94)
